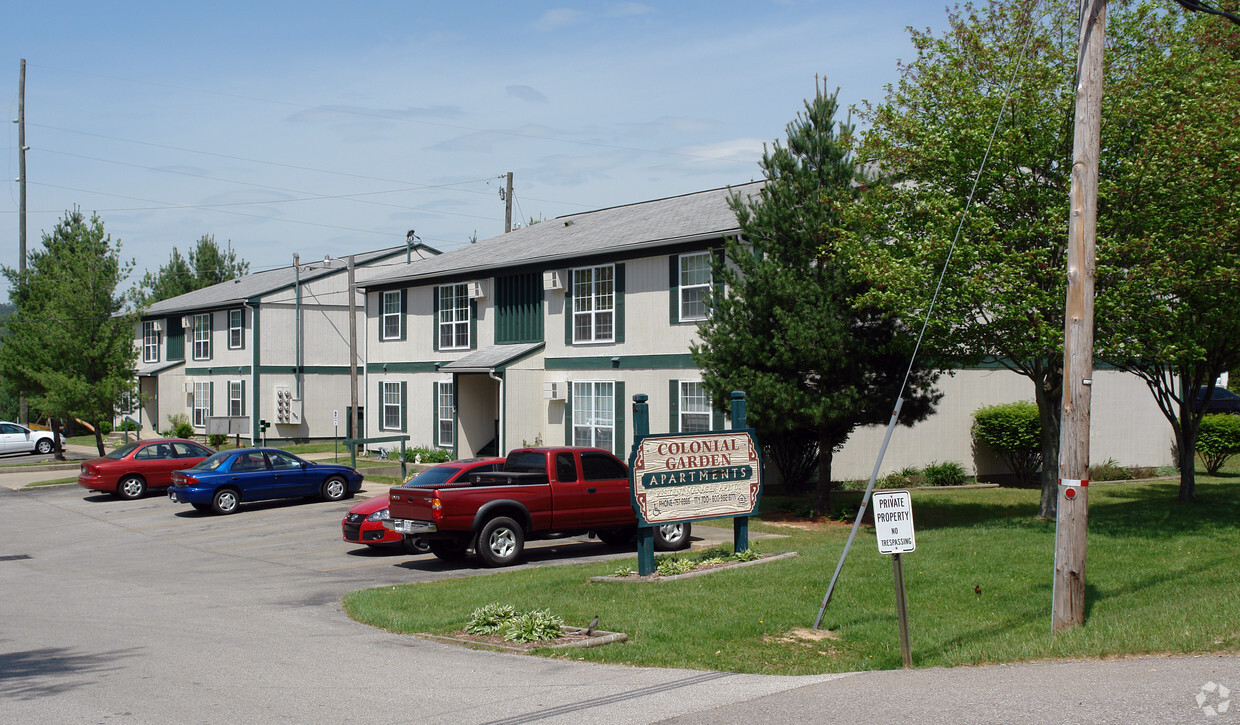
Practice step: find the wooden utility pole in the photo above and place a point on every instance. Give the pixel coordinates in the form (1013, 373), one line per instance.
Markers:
(23, 414)
(508, 204)
(1068, 595)
(355, 425)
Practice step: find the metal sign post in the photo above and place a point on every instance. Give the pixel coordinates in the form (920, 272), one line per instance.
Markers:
(336, 435)
(893, 527)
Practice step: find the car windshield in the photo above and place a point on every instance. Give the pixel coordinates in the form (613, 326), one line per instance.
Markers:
(214, 462)
(122, 451)
(433, 476)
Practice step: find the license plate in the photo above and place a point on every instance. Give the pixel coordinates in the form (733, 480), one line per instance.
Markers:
(404, 526)
(173, 495)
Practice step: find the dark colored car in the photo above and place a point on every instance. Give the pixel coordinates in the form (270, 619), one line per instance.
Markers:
(1223, 400)
(224, 481)
(364, 522)
(135, 468)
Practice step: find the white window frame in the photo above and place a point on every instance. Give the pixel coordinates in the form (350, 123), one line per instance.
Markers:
(445, 433)
(698, 289)
(389, 402)
(150, 342)
(453, 316)
(202, 404)
(236, 332)
(128, 402)
(236, 398)
(389, 328)
(594, 413)
(594, 304)
(202, 336)
(694, 405)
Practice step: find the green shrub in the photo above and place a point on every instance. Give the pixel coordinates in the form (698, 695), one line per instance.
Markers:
(1014, 432)
(426, 454)
(1218, 438)
(534, 626)
(105, 428)
(216, 440)
(180, 427)
(129, 425)
(947, 473)
(490, 619)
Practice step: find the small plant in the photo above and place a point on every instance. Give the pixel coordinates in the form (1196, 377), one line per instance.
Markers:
(180, 426)
(128, 425)
(216, 440)
(105, 428)
(538, 441)
(426, 454)
(1109, 470)
(671, 566)
(747, 555)
(534, 626)
(490, 619)
(623, 571)
(947, 473)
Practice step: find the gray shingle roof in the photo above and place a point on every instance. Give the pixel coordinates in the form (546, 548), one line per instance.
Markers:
(236, 291)
(648, 224)
(489, 358)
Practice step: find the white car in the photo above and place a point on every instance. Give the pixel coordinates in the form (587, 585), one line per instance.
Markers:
(15, 438)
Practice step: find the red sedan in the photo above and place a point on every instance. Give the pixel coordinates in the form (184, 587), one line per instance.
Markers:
(364, 522)
(135, 468)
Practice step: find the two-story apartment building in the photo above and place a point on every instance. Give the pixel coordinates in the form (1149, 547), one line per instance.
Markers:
(272, 345)
(545, 333)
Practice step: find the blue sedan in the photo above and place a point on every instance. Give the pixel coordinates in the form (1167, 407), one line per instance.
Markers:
(228, 478)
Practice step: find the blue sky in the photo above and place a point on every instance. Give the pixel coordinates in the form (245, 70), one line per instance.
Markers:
(322, 129)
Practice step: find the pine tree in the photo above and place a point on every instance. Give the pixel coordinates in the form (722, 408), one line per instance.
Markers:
(69, 344)
(789, 330)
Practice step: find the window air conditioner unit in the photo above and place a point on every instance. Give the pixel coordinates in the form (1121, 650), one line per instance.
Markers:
(187, 322)
(553, 279)
(157, 326)
(555, 390)
(477, 290)
(187, 387)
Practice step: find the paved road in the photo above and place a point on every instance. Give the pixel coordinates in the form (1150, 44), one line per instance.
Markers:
(148, 612)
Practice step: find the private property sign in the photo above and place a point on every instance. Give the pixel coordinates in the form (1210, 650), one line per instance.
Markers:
(681, 477)
(893, 522)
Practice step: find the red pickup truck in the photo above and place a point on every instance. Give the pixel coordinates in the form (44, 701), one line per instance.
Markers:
(541, 493)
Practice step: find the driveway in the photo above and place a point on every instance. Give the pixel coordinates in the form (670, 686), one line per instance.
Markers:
(148, 612)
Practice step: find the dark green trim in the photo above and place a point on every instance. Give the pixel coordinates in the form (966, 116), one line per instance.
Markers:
(673, 406)
(435, 292)
(404, 406)
(222, 370)
(678, 361)
(434, 406)
(310, 369)
(568, 308)
(568, 415)
(256, 370)
(473, 324)
(404, 313)
(404, 367)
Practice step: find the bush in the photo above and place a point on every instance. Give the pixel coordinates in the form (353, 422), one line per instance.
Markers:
(795, 455)
(1014, 432)
(947, 473)
(426, 454)
(180, 427)
(105, 428)
(128, 425)
(1218, 438)
(216, 440)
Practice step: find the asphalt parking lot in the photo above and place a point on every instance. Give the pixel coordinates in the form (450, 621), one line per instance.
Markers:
(150, 612)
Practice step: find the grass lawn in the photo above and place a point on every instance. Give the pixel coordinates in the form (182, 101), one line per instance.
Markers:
(1160, 578)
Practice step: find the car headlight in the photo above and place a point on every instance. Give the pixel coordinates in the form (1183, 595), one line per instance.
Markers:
(379, 515)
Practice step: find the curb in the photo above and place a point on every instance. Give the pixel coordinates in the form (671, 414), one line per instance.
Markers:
(598, 640)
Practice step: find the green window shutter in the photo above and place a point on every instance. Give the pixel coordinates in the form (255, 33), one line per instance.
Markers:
(673, 405)
(619, 303)
(716, 419)
(435, 317)
(404, 311)
(435, 414)
(211, 398)
(404, 406)
(568, 415)
(568, 309)
(622, 444)
(673, 289)
(242, 396)
(473, 324)
(379, 407)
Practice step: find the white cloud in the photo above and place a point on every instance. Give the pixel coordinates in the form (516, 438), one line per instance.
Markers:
(558, 18)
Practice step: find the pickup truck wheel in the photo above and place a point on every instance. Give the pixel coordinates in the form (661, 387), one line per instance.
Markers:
(671, 537)
(617, 537)
(448, 550)
(500, 542)
(414, 545)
